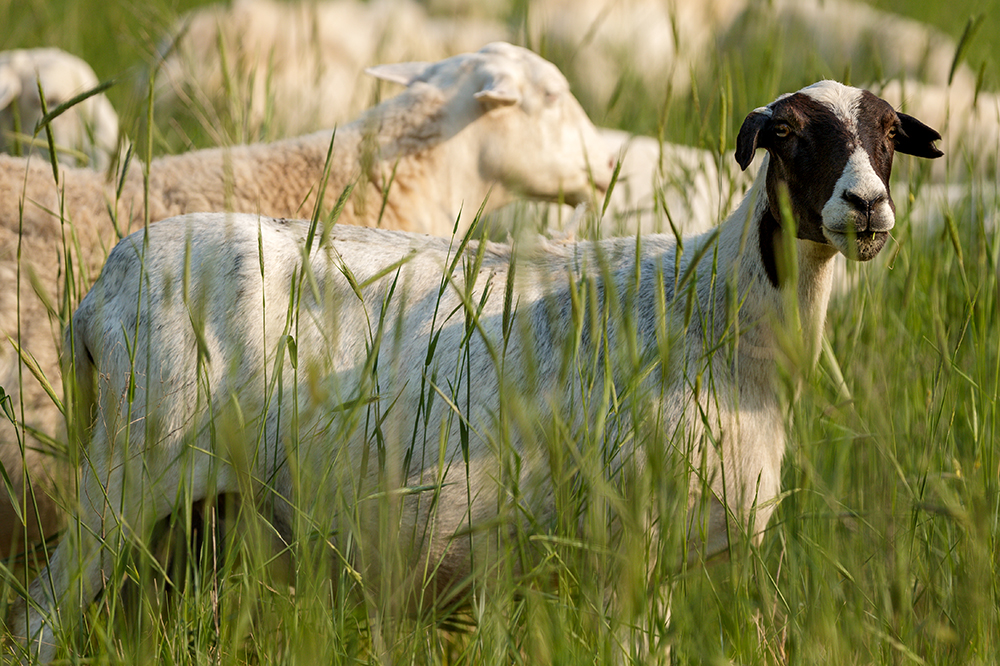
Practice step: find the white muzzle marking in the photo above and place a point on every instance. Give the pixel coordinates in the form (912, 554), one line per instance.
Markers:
(860, 183)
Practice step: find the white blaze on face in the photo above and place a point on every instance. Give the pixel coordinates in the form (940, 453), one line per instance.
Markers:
(844, 100)
(858, 183)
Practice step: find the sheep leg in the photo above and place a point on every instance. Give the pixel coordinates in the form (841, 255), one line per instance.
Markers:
(117, 506)
(78, 565)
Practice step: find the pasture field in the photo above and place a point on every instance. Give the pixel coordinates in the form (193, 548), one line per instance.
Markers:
(884, 549)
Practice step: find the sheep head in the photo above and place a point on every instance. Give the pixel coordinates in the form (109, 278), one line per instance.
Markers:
(515, 110)
(831, 148)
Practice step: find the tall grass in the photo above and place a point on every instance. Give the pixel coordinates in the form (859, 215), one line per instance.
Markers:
(882, 550)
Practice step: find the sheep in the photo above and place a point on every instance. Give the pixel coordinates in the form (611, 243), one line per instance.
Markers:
(661, 187)
(300, 63)
(487, 126)
(854, 35)
(665, 44)
(84, 135)
(384, 314)
(660, 183)
(662, 44)
(268, 58)
(262, 44)
(606, 40)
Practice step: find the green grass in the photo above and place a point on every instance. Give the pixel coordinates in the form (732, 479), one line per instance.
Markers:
(884, 549)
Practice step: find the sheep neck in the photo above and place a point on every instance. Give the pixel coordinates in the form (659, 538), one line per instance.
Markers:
(423, 191)
(776, 313)
(405, 146)
(419, 163)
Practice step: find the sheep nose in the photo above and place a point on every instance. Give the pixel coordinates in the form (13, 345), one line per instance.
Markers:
(864, 206)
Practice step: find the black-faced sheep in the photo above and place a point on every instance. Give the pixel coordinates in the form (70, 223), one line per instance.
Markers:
(382, 314)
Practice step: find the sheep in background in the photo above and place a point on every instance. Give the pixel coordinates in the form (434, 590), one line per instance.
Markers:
(670, 44)
(665, 43)
(852, 35)
(658, 183)
(274, 47)
(499, 123)
(299, 65)
(84, 135)
(597, 42)
(145, 345)
(662, 182)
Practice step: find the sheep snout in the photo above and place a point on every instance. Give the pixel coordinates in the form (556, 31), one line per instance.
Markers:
(859, 213)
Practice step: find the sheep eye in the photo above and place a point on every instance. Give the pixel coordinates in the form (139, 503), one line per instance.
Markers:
(891, 134)
(781, 130)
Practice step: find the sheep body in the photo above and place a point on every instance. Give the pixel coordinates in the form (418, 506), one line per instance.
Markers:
(664, 44)
(661, 43)
(661, 182)
(85, 134)
(661, 187)
(271, 48)
(496, 124)
(263, 47)
(377, 299)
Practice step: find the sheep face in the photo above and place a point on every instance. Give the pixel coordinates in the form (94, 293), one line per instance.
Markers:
(831, 149)
(542, 144)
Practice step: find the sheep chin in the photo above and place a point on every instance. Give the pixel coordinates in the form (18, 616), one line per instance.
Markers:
(863, 246)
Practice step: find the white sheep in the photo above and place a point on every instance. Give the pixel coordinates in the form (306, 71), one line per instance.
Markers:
(665, 44)
(385, 321)
(270, 48)
(851, 34)
(661, 182)
(600, 41)
(85, 134)
(328, 43)
(488, 126)
(296, 67)
(661, 186)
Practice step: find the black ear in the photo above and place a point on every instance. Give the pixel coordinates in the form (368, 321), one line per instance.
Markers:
(746, 140)
(915, 138)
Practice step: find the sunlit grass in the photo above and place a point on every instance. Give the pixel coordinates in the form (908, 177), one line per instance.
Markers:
(883, 549)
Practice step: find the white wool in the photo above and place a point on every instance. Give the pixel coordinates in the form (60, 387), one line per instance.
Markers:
(659, 183)
(298, 67)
